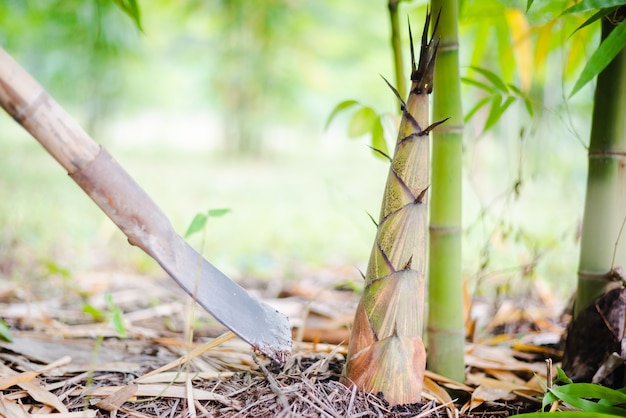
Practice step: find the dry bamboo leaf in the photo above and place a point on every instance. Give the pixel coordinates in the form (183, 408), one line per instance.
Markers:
(489, 394)
(16, 379)
(160, 391)
(115, 400)
(500, 358)
(180, 377)
(191, 404)
(491, 383)
(440, 394)
(453, 384)
(194, 353)
(506, 376)
(10, 409)
(89, 413)
(325, 335)
(36, 391)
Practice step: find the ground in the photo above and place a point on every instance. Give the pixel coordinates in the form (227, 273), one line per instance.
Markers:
(67, 355)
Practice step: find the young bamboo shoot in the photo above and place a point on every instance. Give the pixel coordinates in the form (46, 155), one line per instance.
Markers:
(386, 353)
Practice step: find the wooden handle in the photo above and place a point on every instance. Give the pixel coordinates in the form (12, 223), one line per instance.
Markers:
(33, 108)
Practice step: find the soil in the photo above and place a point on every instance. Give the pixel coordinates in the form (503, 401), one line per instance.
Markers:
(64, 359)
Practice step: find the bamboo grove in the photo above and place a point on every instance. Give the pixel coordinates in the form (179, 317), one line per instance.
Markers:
(386, 353)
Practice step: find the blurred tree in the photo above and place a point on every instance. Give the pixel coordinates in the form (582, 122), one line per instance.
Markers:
(252, 35)
(72, 46)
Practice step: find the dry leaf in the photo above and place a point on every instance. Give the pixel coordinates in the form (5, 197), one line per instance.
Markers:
(159, 391)
(36, 391)
(117, 399)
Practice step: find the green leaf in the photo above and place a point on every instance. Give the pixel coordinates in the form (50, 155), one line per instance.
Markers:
(586, 5)
(478, 84)
(199, 221)
(547, 400)
(597, 16)
(131, 8)
(561, 377)
(362, 122)
(216, 213)
(338, 109)
(378, 139)
(498, 107)
(117, 316)
(497, 82)
(590, 390)
(5, 332)
(196, 225)
(565, 414)
(586, 405)
(96, 314)
(602, 56)
(54, 268)
(520, 93)
(528, 4)
(476, 108)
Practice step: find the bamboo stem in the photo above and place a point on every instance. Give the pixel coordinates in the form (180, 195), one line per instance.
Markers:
(445, 299)
(605, 202)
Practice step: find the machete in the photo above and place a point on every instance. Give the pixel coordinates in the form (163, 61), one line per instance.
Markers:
(136, 214)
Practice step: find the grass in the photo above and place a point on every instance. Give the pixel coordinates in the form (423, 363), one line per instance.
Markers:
(300, 207)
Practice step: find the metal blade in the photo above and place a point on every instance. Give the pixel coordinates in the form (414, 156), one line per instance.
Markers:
(147, 227)
(264, 328)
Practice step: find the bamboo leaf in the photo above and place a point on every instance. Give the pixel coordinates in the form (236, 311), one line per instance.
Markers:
(338, 109)
(597, 16)
(476, 108)
(378, 140)
(5, 332)
(476, 83)
(586, 5)
(524, 97)
(566, 394)
(497, 82)
(602, 56)
(565, 414)
(561, 377)
(131, 8)
(362, 122)
(528, 4)
(548, 399)
(494, 113)
(590, 390)
(197, 224)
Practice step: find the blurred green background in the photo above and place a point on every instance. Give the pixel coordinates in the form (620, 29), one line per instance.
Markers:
(224, 103)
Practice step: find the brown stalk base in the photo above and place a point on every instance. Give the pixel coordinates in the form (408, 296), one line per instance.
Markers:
(595, 338)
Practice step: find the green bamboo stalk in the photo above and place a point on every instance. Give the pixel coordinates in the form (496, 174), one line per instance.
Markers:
(605, 202)
(396, 47)
(386, 353)
(445, 285)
